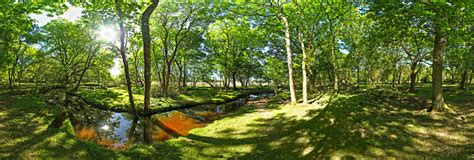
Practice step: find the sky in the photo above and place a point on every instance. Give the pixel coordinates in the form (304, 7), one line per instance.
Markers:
(72, 14)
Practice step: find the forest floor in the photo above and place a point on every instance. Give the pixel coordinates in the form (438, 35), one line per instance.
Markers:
(357, 123)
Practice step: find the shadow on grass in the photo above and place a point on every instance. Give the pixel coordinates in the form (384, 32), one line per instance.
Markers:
(24, 132)
(371, 123)
(103, 96)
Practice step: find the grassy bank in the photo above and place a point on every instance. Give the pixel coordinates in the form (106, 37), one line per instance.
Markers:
(364, 123)
(368, 123)
(116, 98)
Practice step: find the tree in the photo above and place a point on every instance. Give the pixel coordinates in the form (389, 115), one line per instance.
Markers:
(72, 48)
(289, 55)
(145, 28)
(334, 15)
(174, 22)
(118, 7)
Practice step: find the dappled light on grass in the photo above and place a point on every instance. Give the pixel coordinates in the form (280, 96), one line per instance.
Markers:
(371, 123)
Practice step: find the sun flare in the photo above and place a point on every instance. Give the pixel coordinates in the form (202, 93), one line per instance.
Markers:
(107, 33)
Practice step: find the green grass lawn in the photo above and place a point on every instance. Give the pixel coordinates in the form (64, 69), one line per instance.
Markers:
(364, 123)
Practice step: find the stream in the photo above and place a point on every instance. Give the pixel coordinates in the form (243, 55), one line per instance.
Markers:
(115, 130)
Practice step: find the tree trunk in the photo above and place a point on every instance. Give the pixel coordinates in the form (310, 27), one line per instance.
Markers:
(131, 132)
(453, 79)
(11, 76)
(13, 70)
(358, 74)
(124, 56)
(470, 80)
(303, 69)
(463, 79)
(334, 68)
(210, 84)
(180, 78)
(243, 82)
(413, 77)
(185, 74)
(333, 57)
(137, 73)
(226, 85)
(437, 75)
(234, 81)
(180, 69)
(58, 120)
(19, 77)
(289, 58)
(399, 80)
(147, 61)
(394, 76)
(167, 79)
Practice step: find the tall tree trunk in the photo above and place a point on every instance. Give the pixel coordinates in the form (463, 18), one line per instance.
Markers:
(453, 79)
(463, 79)
(394, 75)
(470, 80)
(137, 73)
(437, 86)
(126, 70)
(180, 76)
(19, 77)
(234, 80)
(226, 85)
(303, 69)
(413, 77)
(185, 74)
(163, 79)
(289, 58)
(131, 132)
(167, 79)
(12, 76)
(334, 68)
(13, 70)
(399, 80)
(10, 79)
(145, 19)
(358, 74)
(243, 82)
(59, 119)
(333, 57)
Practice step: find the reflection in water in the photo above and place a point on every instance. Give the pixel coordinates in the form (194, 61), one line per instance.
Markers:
(161, 135)
(104, 127)
(86, 133)
(178, 123)
(116, 130)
